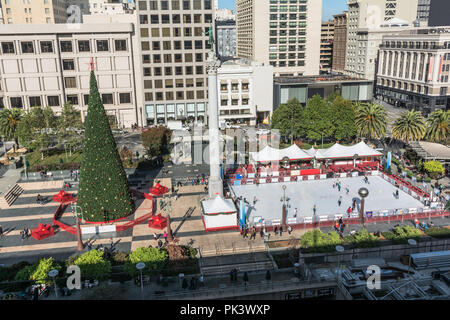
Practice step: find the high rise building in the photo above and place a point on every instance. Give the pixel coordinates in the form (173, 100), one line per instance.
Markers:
(226, 39)
(340, 42)
(439, 13)
(174, 46)
(414, 69)
(326, 46)
(281, 33)
(34, 12)
(423, 11)
(369, 15)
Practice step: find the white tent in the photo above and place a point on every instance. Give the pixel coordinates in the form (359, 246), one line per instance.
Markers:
(269, 154)
(219, 214)
(338, 151)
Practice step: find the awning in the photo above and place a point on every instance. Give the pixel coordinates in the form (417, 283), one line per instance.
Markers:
(338, 151)
(218, 205)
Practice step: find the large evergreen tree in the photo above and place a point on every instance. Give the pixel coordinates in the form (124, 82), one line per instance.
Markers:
(104, 193)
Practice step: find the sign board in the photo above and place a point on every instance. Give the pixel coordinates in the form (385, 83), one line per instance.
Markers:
(249, 181)
(237, 183)
(323, 176)
(276, 222)
(295, 172)
(354, 174)
(275, 174)
(291, 221)
(89, 230)
(263, 174)
(262, 180)
(311, 177)
(274, 179)
(287, 179)
(251, 175)
(307, 219)
(343, 175)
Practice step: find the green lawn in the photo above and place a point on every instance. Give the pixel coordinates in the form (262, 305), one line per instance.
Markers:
(53, 161)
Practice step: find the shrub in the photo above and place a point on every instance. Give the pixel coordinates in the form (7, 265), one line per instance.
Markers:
(362, 239)
(39, 271)
(437, 232)
(434, 169)
(317, 241)
(154, 259)
(25, 273)
(119, 258)
(93, 265)
(401, 234)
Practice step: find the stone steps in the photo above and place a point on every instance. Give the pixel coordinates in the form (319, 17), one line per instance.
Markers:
(240, 267)
(10, 196)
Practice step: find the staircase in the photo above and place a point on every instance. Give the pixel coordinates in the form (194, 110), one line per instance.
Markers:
(241, 267)
(10, 196)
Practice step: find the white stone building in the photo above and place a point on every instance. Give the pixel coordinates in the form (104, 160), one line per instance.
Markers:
(245, 92)
(48, 66)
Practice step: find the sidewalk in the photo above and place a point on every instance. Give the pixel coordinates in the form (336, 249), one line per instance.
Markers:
(9, 179)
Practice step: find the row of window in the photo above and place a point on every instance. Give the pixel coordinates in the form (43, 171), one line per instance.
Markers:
(290, 32)
(177, 95)
(286, 1)
(171, 83)
(274, 56)
(169, 71)
(176, 18)
(291, 16)
(300, 63)
(234, 102)
(176, 32)
(167, 45)
(291, 24)
(177, 57)
(66, 46)
(54, 101)
(234, 87)
(174, 5)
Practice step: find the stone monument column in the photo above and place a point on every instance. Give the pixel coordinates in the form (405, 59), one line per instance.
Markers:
(215, 184)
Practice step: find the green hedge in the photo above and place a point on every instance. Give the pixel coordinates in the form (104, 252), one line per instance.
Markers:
(362, 239)
(401, 234)
(316, 241)
(437, 232)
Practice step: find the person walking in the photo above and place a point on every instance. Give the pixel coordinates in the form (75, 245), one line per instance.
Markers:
(245, 232)
(275, 230)
(314, 209)
(339, 186)
(261, 232)
(295, 212)
(397, 195)
(111, 242)
(340, 201)
(1, 231)
(165, 236)
(89, 245)
(254, 200)
(155, 237)
(289, 229)
(347, 190)
(253, 236)
(281, 231)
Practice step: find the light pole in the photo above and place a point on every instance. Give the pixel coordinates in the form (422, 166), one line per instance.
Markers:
(140, 266)
(283, 199)
(363, 193)
(80, 246)
(339, 249)
(412, 243)
(53, 273)
(25, 164)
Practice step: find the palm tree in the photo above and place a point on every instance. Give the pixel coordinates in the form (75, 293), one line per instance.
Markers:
(371, 120)
(438, 126)
(410, 126)
(9, 120)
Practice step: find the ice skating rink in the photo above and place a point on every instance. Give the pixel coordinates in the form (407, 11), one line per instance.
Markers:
(303, 195)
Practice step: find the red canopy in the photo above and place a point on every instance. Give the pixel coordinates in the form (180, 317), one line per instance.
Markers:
(62, 196)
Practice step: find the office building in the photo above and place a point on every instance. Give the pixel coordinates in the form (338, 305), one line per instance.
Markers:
(34, 12)
(245, 90)
(48, 65)
(414, 68)
(226, 39)
(339, 42)
(439, 13)
(224, 15)
(326, 46)
(281, 33)
(368, 15)
(174, 46)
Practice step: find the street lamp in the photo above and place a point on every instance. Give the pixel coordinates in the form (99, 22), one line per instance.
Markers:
(283, 199)
(363, 193)
(339, 249)
(140, 266)
(412, 243)
(53, 273)
(80, 246)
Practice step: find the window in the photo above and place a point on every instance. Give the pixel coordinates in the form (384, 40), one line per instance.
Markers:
(147, 72)
(143, 19)
(68, 65)
(107, 98)
(187, 45)
(121, 45)
(53, 101)
(175, 4)
(176, 18)
(66, 46)
(145, 58)
(16, 102)
(73, 99)
(102, 45)
(154, 19)
(70, 82)
(46, 47)
(35, 102)
(8, 47)
(86, 99)
(84, 46)
(165, 18)
(156, 58)
(125, 97)
(157, 71)
(27, 47)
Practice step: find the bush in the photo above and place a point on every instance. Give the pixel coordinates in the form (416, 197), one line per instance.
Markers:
(154, 259)
(119, 258)
(317, 241)
(434, 169)
(25, 273)
(362, 239)
(437, 232)
(401, 234)
(93, 265)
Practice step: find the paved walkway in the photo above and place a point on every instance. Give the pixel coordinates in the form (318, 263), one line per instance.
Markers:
(9, 179)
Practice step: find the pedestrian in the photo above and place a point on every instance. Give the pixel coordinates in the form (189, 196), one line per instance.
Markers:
(339, 186)
(397, 195)
(289, 229)
(165, 236)
(339, 201)
(281, 231)
(111, 242)
(347, 190)
(334, 185)
(1, 230)
(314, 209)
(160, 244)
(89, 245)
(253, 236)
(341, 222)
(245, 278)
(155, 237)
(231, 275)
(245, 233)
(268, 275)
(295, 212)
(261, 233)
(349, 210)
(254, 200)
(275, 230)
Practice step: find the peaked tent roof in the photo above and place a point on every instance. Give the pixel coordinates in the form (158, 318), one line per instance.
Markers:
(294, 153)
(218, 205)
(339, 151)
(270, 154)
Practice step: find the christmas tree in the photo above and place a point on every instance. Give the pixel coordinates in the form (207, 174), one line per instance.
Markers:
(103, 194)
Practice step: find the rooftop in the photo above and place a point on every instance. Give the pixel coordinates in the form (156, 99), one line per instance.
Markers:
(316, 79)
